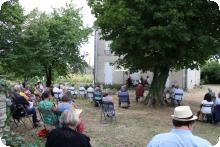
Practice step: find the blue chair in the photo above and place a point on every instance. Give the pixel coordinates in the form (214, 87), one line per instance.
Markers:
(124, 101)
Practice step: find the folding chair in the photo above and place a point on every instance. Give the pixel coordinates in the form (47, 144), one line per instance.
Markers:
(207, 117)
(19, 113)
(108, 110)
(123, 101)
(177, 98)
(48, 117)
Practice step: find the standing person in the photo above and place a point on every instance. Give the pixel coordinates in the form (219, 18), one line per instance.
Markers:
(67, 136)
(139, 91)
(181, 135)
(129, 82)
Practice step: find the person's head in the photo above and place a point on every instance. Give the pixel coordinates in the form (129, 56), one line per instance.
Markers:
(177, 86)
(208, 97)
(46, 95)
(123, 88)
(70, 119)
(183, 117)
(67, 96)
(17, 88)
(105, 94)
(209, 90)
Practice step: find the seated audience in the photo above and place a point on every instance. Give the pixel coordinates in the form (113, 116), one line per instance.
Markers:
(139, 91)
(212, 94)
(90, 93)
(20, 100)
(57, 91)
(123, 93)
(181, 135)
(110, 109)
(72, 89)
(66, 103)
(67, 136)
(206, 105)
(46, 104)
(178, 93)
(82, 91)
(217, 100)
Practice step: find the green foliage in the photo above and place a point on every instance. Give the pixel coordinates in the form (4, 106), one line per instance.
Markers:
(48, 43)
(211, 72)
(75, 79)
(159, 35)
(174, 34)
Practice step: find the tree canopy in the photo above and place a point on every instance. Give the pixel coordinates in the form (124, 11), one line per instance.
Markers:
(48, 43)
(159, 35)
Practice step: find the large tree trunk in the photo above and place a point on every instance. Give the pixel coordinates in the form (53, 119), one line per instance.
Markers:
(155, 95)
(49, 76)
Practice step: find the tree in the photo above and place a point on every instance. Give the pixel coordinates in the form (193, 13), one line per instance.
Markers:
(11, 20)
(52, 42)
(158, 35)
(211, 72)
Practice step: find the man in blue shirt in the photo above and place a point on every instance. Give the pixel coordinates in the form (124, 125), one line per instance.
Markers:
(181, 135)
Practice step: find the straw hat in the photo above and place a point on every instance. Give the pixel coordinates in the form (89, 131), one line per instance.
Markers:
(183, 113)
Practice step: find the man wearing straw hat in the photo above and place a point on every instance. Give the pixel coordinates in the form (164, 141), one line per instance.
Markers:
(181, 135)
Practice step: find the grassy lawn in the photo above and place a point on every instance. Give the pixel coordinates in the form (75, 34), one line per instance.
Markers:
(134, 126)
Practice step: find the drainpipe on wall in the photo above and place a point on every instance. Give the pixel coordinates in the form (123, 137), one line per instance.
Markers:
(95, 57)
(186, 78)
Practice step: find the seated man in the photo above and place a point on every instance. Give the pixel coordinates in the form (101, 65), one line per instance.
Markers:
(206, 106)
(178, 93)
(57, 91)
(20, 100)
(139, 91)
(46, 104)
(181, 135)
(82, 91)
(72, 89)
(90, 93)
(123, 96)
(68, 104)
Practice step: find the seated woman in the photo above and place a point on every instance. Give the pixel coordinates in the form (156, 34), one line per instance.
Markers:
(97, 96)
(67, 135)
(123, 96)
(108, 109)
(206, 106)
(46, 104)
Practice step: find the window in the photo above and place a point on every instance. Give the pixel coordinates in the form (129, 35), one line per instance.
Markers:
(107, 50)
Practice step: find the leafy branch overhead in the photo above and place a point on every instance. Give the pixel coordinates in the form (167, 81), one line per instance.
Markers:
(159, 35)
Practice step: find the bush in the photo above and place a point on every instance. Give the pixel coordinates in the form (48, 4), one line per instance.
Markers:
(211, 72)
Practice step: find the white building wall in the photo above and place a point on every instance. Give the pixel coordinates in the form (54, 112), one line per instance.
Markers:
(193, 78)
(184, 78)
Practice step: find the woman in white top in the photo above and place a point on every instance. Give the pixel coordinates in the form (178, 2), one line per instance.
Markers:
(206, 105)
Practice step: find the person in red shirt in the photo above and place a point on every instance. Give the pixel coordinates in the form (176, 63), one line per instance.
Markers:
(139, 91)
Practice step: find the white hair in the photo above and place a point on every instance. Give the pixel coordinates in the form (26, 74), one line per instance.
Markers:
(69, 118)
(17, 88)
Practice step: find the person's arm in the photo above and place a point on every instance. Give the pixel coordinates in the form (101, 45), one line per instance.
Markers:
(54, 108)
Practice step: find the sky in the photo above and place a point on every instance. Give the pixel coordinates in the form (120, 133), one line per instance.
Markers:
(48, 5)
(88, 18)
